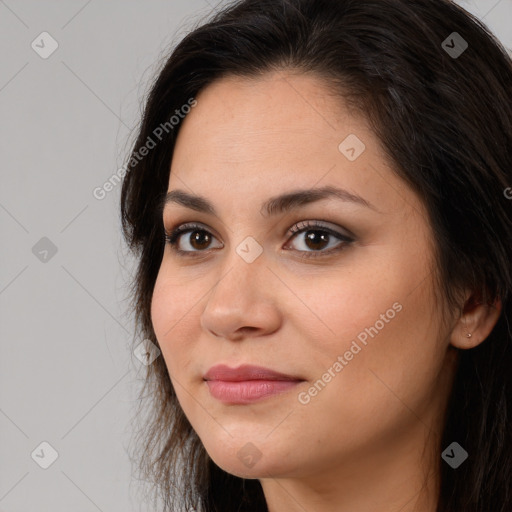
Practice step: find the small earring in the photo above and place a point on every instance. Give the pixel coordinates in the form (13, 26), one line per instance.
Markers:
(468, 335)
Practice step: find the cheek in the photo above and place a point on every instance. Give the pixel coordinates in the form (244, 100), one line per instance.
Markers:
(379, 335)
(359, 307)
(391, 360)
(162, 309)
(171, 310)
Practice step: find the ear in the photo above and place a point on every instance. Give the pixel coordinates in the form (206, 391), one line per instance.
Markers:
(477, 320)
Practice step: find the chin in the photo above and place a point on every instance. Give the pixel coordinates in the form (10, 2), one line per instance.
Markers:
(247, 459)
(246, 468)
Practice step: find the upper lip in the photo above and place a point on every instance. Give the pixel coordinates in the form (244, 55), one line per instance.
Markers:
(243, 373)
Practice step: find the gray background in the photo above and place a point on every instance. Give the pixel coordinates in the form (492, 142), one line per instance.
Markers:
(67, 373)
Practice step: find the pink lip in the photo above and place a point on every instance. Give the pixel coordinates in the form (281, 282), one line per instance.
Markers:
(246, 383)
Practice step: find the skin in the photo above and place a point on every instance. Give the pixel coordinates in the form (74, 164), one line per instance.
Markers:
(369, 440)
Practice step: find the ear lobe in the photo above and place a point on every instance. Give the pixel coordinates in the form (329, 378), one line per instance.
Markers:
(475, 323)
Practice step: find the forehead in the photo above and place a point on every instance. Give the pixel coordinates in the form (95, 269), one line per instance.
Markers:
(244, 113)
(258, 137)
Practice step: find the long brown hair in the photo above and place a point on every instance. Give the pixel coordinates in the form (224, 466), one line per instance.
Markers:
(444, 116)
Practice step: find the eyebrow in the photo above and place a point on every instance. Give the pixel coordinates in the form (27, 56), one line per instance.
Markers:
(275, 205)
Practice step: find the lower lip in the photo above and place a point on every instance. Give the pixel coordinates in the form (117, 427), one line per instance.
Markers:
(247, 391)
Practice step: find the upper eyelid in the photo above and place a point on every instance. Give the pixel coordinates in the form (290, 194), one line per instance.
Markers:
(297, 228)
(186, 226)
(319, 225)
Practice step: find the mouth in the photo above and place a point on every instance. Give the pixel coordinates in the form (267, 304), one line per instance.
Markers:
(247, 384)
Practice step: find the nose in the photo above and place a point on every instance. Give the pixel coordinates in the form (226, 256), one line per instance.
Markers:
(243, 302)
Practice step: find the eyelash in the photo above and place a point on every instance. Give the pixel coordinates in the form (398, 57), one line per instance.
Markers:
(302, 227)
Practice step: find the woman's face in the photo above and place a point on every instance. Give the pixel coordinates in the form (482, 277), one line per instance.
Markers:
(344, 307)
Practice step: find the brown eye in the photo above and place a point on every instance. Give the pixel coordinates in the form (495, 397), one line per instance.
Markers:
(199, 239)
(191, 239)
(317, 239)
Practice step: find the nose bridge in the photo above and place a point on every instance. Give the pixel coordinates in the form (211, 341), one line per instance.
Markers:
(244, 271)
(241, 297)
